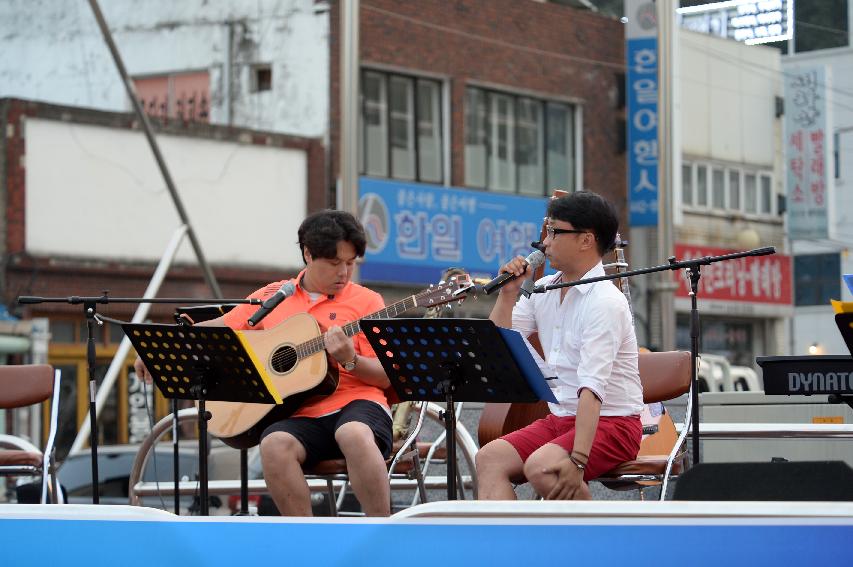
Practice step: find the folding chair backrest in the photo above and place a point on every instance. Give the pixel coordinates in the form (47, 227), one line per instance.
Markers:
(665, 375)
(22, 386)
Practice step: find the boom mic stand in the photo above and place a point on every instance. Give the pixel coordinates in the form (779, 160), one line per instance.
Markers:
(693, 267)
(90, 312)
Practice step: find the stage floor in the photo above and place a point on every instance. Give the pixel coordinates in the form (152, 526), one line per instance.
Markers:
(449, 533)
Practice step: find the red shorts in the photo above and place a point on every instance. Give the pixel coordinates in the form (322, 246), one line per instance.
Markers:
(617, 439)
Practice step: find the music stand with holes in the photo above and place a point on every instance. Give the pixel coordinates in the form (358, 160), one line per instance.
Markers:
(201, 364)
(449, 360)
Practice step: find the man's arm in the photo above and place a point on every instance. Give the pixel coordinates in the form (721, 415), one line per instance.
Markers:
(501, 313)
(569, 474)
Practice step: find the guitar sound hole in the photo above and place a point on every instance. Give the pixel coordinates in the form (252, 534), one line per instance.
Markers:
(283, 359)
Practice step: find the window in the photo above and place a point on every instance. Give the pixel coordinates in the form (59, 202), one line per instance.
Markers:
(429, 131)
(402, 122)
(729, 189)
(750, 193)
(836, 154)
(476, 138)
(531, 157)
(687, 184)
(817, 278)
(261, 78)
(734, 189)
(702, 186)
(561, 146)
(718, 188)
(400, 127)
(518, 144)
(185, 96)
(766, 195)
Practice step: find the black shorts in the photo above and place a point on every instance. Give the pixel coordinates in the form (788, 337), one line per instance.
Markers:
(317, 434)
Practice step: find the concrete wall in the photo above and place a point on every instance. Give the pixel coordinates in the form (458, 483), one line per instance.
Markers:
(96, 192)
(728, 99)
(53, 51)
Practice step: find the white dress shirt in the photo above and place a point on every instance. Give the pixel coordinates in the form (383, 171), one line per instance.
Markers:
(589, 342)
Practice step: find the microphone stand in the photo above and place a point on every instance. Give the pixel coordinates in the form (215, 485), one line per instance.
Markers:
(693, 267)
(90, 312)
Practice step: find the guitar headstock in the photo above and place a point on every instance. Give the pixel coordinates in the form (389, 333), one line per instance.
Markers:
(449, 290)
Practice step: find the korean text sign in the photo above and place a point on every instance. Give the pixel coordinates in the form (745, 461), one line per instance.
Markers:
(807, 157)
(415, 231)
(756, 279)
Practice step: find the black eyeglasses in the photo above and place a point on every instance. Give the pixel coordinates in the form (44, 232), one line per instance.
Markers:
(553, 231)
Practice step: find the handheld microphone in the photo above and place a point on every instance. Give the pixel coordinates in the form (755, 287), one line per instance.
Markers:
(285, 291)
(534, 260)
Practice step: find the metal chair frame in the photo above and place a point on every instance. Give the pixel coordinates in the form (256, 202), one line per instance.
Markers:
(316, 483)
(47, 469)
(410, 450)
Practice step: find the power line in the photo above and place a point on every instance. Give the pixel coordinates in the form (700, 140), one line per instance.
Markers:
(769, 72)
(486, 39)
(820, 27)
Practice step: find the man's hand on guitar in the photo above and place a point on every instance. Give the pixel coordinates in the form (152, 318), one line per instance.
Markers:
(339, 345)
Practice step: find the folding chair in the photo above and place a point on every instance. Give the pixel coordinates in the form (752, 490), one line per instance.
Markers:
(665, 376)
(405, 461)
(22, 386)
(662, 456)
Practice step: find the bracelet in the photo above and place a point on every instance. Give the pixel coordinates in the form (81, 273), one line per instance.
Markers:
(577, 463)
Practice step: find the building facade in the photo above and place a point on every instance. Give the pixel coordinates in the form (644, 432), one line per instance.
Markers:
(820, 262)
(471, 114)
(85, 210)
(727, 198)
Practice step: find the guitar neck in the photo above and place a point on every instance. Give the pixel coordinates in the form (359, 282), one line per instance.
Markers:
(353, 328)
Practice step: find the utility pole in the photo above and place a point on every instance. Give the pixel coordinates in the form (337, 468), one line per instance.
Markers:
(347, 194)
(669, 156)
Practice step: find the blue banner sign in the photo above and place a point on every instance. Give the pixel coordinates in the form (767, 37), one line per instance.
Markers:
(642, 100)
(416, 231)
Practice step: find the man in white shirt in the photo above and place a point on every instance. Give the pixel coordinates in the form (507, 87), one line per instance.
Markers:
(588, 342)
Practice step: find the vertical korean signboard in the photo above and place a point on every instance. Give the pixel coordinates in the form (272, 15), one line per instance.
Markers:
(641, 76)
(807, 157)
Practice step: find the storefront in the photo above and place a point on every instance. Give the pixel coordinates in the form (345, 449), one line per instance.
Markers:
(744, 305)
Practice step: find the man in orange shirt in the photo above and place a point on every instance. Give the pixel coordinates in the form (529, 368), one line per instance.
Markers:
(354, 421)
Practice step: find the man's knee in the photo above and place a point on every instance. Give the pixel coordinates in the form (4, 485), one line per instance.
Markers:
(534, 473)
(355, 436)
(279, 447)
(496, 456)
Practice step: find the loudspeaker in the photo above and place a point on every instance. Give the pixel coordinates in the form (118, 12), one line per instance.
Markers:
(785, 481)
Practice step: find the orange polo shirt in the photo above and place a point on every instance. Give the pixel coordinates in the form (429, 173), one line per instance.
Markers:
(352, 303)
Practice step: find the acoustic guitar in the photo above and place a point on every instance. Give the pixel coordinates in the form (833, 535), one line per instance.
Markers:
(293, 356)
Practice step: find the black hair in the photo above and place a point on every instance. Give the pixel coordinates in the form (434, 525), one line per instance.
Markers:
(321, 232)
(586, 210)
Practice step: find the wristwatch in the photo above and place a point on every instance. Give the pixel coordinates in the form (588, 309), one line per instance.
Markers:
(349, 366)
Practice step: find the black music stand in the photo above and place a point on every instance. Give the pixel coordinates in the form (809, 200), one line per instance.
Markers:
(449, 360)
(844, 321)
(201, 364)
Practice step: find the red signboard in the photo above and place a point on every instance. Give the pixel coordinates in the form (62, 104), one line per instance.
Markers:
(753, 279)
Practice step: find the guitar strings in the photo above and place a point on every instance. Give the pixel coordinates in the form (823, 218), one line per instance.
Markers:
(287, 357)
